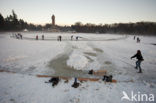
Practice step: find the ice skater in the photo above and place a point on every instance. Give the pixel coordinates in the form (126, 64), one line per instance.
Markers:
(42, 37)
(77, 38)
(72, 37)
(17, 37)
(36, 37)
(138, 55)
(134, 38)
(138, 40)
(60, 38)
(21, 36)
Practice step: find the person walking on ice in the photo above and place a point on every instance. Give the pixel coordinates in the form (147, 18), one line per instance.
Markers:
(72, 37)
(36, 37)
(138, 56)
(138, 40)
(42, 37)
(77, 38)
(134, 38)
(60, 38)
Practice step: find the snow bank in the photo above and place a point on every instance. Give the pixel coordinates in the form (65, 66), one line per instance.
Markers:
(77, 60)
(29, 89)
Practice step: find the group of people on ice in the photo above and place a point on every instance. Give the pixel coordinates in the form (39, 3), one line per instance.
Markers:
(138, 55)
(17, 36)
(137, 39)
(38, 38)
(76, 38)
(59, 38)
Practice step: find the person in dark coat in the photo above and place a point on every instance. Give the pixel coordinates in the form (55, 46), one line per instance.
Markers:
(138, 56)
(134, 38)
(42, 37)
(72, 37)
(77, 38)
(60, 38)
(36, 37)
(107, 78)
(138, 40)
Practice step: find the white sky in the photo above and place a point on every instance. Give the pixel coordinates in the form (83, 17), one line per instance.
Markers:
(68, 12)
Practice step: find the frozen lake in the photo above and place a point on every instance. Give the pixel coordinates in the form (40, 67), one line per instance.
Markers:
(74, 58)
(48, 56)
(28, 57)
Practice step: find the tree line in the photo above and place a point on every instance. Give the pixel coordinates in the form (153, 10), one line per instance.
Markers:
(122, 28)
(12, 23)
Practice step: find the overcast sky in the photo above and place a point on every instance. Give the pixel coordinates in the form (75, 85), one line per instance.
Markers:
(68, 12)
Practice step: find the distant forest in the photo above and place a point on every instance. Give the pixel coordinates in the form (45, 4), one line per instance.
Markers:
(12, 23)
(141, 28)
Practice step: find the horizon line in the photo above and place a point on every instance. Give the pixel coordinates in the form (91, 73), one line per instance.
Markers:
(92, 23)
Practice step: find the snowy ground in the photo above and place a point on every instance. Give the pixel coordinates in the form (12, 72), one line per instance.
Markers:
(30, 57)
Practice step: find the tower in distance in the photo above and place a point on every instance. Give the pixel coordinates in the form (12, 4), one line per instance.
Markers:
(53, 20)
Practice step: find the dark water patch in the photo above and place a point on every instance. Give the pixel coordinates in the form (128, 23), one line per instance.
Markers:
(90, 59)
(153, 44)
(90, 54)
(98, 50)
(62, 69)
(108, 62)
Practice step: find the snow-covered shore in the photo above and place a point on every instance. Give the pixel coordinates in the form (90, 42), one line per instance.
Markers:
(29, 57)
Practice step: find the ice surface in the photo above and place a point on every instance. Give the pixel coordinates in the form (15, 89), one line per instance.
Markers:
(29, 57)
